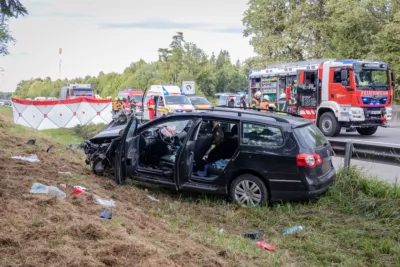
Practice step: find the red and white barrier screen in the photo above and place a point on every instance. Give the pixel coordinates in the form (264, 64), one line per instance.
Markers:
(51, 114)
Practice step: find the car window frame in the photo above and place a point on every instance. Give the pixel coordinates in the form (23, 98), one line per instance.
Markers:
(263, 125)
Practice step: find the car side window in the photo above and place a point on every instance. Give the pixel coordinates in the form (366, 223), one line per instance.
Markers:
(132, 129)
(261, 135)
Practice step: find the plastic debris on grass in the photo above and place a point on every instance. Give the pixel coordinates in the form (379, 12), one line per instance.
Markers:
(31, 158)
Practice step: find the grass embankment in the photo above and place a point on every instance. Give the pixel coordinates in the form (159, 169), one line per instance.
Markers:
(355, 224)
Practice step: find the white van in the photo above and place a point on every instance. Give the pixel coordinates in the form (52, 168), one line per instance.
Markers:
(169, 98)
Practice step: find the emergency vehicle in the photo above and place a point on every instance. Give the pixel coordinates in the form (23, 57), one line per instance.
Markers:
(168, 99)
(77, 90)
(335, 94)
(128, 94)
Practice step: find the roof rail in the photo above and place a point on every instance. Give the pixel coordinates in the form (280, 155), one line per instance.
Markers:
(270, 114)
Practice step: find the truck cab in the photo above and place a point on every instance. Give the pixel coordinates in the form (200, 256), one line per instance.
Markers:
(77, 90)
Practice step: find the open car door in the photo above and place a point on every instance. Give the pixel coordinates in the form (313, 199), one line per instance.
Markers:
(184, 164)
(127, 154)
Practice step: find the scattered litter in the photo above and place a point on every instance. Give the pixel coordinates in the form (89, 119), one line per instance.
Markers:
(292, 230)
(54, 191)
(3, 149)
(265, 246)
(105, 203)
(31, 142)
(255, 236)
(221, 230)
(79, 190)
(66, 173)
(38, 188)
(63, 185)
(48, 149)
(31, 158)
(105, 214)
(96, 185)
(153, 198)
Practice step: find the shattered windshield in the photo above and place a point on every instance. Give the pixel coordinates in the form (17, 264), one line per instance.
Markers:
(369, 79)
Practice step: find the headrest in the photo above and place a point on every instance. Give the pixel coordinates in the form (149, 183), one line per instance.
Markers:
(205, 128)
(234, 129)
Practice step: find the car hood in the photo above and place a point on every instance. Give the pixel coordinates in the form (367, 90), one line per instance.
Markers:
(110, 132)
(203, 106)
(181, 107)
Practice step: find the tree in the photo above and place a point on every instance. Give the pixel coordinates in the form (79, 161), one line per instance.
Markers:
(8, 9)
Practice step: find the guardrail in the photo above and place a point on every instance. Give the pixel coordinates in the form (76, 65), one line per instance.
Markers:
(369, 151)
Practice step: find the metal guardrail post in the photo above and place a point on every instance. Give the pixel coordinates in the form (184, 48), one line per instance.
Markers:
(347, 157)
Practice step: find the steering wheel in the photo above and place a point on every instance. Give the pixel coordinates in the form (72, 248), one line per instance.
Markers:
(169, 140)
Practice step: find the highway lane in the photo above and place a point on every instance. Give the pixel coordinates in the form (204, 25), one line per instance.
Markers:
(383, 136)
(383, 172)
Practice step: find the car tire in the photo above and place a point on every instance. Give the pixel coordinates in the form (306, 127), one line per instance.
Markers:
(329, 125)
(240, 191)
(367, 130)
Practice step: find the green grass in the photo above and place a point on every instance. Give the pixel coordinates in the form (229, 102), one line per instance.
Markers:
(355, 224)
(6, 111)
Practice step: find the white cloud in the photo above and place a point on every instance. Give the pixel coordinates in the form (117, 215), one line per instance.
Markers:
(103, 35)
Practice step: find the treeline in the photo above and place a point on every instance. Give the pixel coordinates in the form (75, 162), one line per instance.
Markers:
(179, 62)
(283, 30)
(5, 95)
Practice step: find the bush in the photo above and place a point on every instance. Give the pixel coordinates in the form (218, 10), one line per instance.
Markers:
(86, 131)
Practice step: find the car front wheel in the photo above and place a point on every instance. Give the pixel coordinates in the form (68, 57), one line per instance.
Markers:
(249, 190)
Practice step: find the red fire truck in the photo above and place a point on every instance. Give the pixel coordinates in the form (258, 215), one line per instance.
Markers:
(128, 94)
(335, 94)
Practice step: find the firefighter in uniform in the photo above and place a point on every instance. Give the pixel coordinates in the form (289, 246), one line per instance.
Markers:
(264, 105)
(282, 104)
(255, 103)
(132, 104)
(243, 104)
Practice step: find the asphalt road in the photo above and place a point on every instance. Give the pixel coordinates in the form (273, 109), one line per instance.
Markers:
(384, 136)
(383, 172)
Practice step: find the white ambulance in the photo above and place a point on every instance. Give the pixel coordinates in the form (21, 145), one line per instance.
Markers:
(169, 99)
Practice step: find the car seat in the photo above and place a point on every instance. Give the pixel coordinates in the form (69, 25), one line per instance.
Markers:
(203, 143)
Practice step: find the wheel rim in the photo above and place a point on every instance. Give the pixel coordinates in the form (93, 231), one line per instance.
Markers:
(248, 193)
(327, 125)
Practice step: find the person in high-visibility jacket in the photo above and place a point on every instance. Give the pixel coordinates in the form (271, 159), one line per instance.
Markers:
(132, 104)
(255, 102)
(264, 105)
(283, 103)
(151, 105)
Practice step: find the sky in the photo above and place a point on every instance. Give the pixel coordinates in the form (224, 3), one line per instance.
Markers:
(104, 35)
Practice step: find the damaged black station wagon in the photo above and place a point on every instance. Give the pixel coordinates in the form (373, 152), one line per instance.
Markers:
(253, 157)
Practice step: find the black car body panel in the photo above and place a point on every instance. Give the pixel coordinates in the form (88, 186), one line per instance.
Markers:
(274, 162)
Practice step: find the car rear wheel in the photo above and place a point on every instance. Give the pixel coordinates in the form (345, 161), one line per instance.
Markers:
(249, 190)
(367, 130)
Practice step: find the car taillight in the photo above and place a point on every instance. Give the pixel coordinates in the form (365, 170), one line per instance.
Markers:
(308, 160)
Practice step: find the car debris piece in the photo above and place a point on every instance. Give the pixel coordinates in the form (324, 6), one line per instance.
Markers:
(31, 158)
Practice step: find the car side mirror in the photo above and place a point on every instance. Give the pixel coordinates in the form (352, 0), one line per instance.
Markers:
(343, 75)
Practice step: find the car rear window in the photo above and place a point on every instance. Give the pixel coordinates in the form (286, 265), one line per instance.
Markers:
(310, 136)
